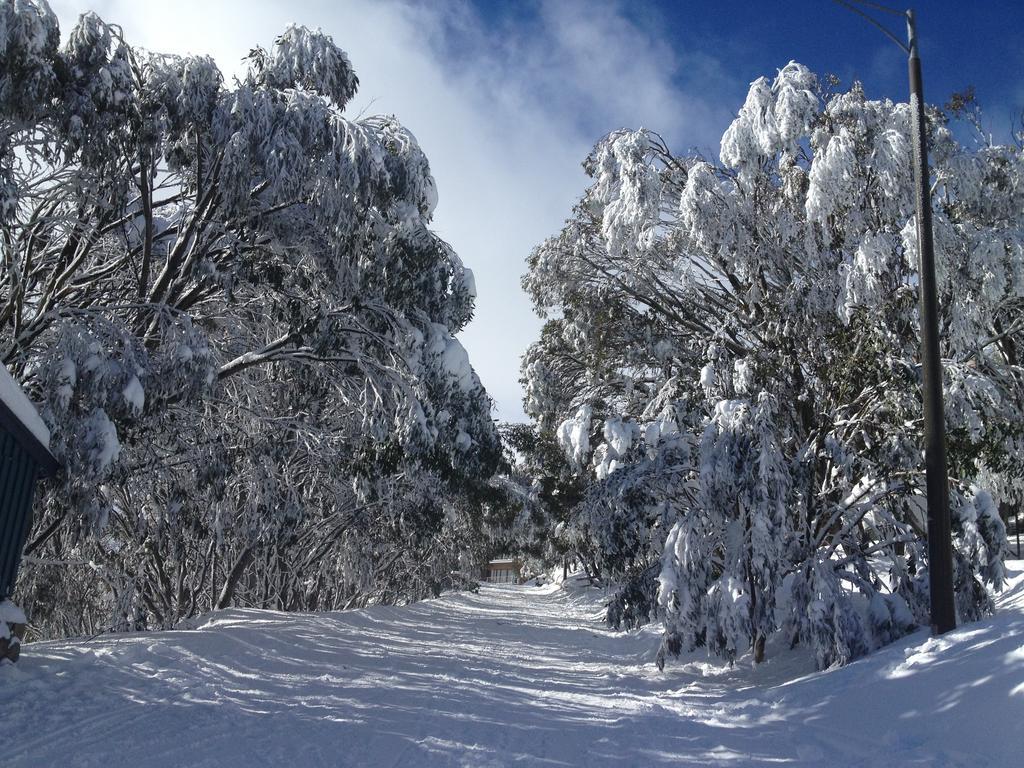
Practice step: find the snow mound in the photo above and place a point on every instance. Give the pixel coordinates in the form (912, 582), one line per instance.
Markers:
(11, 613)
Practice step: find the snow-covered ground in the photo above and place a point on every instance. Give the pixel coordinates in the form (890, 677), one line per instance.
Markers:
(510, 676)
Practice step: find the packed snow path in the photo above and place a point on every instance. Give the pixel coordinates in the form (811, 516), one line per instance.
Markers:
(510, 676)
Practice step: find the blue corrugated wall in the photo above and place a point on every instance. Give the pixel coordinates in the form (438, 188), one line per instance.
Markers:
(17, 478)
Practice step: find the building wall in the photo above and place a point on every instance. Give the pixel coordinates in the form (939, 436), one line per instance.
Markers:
(503, 573)
(17, 478)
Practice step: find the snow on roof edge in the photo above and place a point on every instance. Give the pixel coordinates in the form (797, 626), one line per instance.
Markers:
(17, 401)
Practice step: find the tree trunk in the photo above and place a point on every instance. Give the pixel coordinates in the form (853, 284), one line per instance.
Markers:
(759, 639)
(236, 573)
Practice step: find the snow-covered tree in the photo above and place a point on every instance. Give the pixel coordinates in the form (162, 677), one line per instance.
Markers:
(242, 330)
(540, 491)
(732, 359)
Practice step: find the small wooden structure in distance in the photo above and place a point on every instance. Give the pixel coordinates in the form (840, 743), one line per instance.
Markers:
(503, 570)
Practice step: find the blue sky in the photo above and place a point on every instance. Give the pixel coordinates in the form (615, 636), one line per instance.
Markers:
(961, 43)
(508, 98)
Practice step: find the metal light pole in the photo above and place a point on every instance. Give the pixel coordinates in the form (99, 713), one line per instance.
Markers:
(940, 545)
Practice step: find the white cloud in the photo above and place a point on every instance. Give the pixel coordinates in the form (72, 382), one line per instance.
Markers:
(505, 115)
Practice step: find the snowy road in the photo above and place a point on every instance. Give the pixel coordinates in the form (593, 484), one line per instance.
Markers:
(510, 676)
